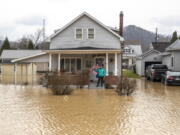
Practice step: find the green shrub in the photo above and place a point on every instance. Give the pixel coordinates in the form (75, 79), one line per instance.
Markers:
(130, 74)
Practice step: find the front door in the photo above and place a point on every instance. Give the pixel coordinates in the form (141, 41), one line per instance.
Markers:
(100, 61)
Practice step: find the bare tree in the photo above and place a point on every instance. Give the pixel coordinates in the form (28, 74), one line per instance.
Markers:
(37, 37)
(22, 43)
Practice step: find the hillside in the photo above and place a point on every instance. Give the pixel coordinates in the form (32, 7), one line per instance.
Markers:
(132, 32)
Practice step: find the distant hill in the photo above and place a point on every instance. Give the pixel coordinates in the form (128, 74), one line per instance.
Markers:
(132, 32)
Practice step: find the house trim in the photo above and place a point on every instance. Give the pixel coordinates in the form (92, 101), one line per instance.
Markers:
(23, 58)
(83, 51)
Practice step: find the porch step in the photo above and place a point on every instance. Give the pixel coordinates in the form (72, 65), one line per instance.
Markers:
(92, 85)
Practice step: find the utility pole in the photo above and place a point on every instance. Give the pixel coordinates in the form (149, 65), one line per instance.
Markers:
(156, 37)
(44, 34)
(121, 24)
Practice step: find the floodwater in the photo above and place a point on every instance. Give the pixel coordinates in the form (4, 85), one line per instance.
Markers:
(30, 109)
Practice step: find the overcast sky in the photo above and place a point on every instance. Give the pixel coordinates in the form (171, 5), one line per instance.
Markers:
(21, 17)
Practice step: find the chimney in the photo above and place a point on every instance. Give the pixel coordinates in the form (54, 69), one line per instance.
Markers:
(121, 16)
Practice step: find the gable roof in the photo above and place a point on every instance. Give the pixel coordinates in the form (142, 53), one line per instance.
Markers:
(160, 46)
(30, 56)
(149, 52)
(174, 46)
(91, 17)
(15, 54)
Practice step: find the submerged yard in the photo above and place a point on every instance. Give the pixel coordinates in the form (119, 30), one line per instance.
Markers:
(153, 109)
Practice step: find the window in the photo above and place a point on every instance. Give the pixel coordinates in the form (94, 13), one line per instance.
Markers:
(79, 33)
(88, 63)
(172, 61)
(67, 65)
(127, 50)
(91, 33)
(62, 64)
(71, 64)
(78, 64)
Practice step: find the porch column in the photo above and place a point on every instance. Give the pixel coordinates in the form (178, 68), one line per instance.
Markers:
(59, 59)
(15, 73)
(50, 62)
(107, 71)
(115, 65)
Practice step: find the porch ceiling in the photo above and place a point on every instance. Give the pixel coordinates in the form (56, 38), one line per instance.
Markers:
(82, 51)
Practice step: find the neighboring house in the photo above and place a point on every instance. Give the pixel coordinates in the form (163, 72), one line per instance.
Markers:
(172, 56)
(77, 46)
(132, 49)
(28, 68)
(152, 56)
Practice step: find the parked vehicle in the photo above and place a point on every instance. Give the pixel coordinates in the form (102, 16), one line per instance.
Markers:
(155, 71)
(171, 78)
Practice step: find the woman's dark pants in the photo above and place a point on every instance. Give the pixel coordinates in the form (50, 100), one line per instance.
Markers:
(100, 80)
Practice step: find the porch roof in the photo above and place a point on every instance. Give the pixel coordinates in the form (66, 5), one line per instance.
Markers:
(68, 52)
(83, 51)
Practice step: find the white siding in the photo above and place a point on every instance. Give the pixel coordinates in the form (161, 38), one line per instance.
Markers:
(176, 55)
(103, 38)
(167, 61)
(42, 58)
(154, 56)
(139, 67)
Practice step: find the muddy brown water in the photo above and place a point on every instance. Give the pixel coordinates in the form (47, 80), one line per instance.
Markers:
(153, 109)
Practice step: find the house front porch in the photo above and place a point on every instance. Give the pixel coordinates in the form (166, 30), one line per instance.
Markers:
(74, 61)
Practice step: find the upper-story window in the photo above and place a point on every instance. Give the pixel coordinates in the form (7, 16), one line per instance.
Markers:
(90, 33)
(79, 33)
(127, 50)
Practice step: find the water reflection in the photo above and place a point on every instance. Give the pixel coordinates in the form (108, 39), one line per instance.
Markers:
(153, 109)
(20, 79)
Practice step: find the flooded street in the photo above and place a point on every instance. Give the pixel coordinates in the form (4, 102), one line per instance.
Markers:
(153, 109)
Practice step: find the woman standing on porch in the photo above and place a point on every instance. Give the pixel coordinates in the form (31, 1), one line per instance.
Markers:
(100, 75)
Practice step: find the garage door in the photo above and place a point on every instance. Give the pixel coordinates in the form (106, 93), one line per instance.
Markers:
(148, 63)
(42, 67)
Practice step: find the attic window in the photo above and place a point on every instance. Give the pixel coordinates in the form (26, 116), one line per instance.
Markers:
(79, 33)
(91, 33)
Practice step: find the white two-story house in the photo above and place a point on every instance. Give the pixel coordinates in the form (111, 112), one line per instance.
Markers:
(79, 45)
(132, 49)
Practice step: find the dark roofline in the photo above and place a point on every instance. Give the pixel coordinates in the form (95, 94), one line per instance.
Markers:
(85, 48)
